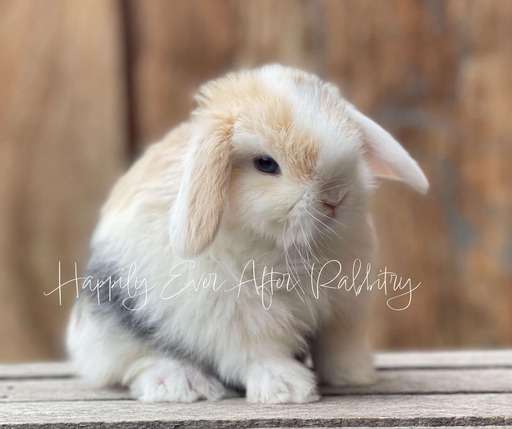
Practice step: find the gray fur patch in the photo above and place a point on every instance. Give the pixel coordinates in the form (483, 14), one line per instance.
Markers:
(104, 287)
(105, 290)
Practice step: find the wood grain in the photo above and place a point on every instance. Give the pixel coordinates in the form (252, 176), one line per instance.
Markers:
(435, 73)
(390, 382)
(43, 395)
(36, 370)
(392, 410)
(62, 137)
(468, 359)
(445, 359)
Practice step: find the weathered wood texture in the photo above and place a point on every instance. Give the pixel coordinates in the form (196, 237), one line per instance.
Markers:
(436, 74)
(85, 84)
(407, 394)
(62, 144)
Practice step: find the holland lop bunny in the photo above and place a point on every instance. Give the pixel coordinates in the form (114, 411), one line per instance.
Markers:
(210, 265)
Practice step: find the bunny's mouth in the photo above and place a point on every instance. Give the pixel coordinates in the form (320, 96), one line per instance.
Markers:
(331, 208)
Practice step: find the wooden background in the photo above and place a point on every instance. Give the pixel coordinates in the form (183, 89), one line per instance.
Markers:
(85, 85)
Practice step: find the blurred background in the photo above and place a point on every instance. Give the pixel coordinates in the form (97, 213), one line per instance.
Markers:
(86, 85)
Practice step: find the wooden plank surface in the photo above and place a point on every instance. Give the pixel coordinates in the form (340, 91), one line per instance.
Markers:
(36, 370)
(392, 410)
(391, 382)
(415, 389)
(445, 359)
(384, 360)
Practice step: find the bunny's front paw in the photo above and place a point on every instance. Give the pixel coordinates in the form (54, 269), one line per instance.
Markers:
(169, 380)
(282, 381)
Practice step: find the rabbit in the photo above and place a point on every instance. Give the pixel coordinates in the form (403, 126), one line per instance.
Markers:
(270, 178)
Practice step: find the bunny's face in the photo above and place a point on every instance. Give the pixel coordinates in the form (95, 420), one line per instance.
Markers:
(281, 154)
(297, 168)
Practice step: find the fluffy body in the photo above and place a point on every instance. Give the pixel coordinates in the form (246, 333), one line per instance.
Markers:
(197, 228)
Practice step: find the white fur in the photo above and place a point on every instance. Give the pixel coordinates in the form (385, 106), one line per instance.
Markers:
(248, 343)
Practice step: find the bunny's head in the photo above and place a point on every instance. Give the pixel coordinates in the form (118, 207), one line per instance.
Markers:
(280, 154)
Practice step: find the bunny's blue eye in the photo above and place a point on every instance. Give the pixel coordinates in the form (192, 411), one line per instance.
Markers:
(267, 165)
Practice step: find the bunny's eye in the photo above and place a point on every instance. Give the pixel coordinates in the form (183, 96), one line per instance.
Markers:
(266, 164)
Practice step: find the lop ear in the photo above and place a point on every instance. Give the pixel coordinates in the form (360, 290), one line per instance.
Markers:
(386, 157)
(196, 213)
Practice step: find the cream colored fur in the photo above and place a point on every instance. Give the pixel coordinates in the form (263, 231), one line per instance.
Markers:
(196, 202)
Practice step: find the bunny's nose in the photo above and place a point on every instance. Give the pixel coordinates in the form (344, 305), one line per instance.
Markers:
(329, 205)
(332, 202)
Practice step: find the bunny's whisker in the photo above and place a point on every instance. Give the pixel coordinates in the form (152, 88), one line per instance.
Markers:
(218, 201)
(334, 187)
(288, 261)
(325, 225)
(334, 220)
